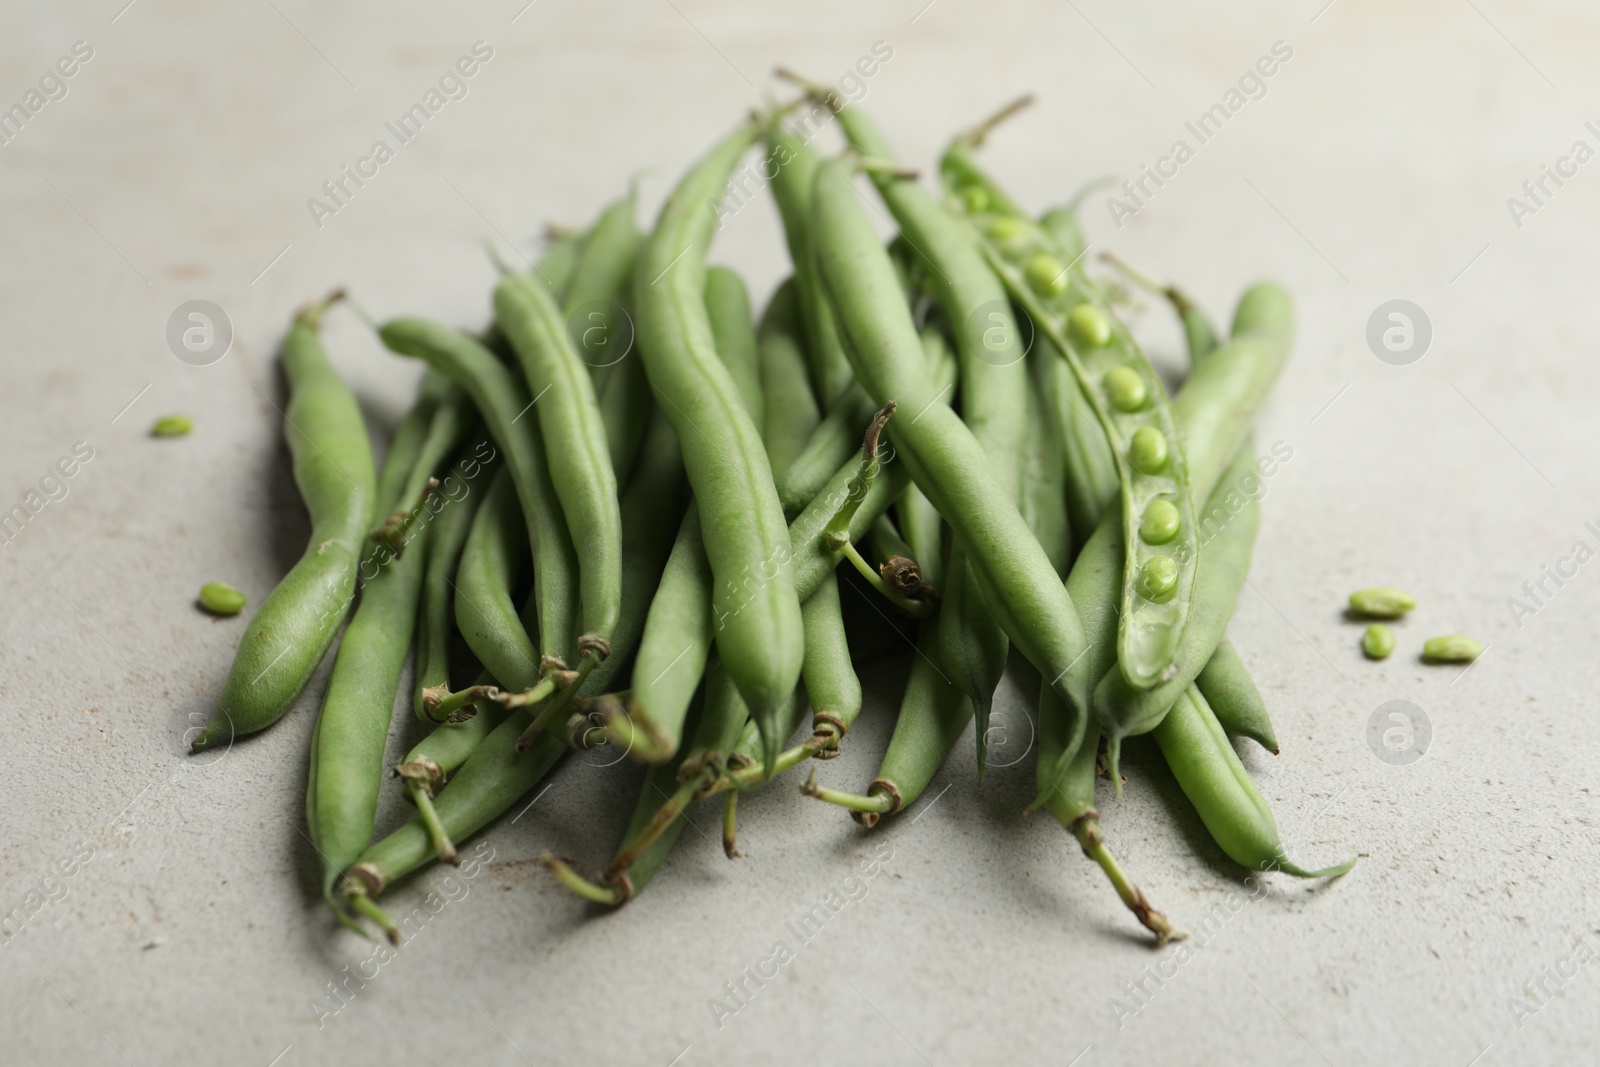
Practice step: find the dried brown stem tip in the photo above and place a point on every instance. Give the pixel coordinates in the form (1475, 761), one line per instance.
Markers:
(975, 136)
(869, 444)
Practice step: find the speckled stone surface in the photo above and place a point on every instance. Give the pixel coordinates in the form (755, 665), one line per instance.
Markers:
(1375, 164)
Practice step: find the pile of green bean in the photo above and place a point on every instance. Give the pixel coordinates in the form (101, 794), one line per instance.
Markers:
(616, 516)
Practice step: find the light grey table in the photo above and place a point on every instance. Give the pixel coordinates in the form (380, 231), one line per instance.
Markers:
(1374, 165)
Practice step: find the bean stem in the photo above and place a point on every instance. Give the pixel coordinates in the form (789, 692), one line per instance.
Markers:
(878, 801)
(366, 907)
(1087, 830)
(422, 797)
(610, 895)
(663, 818)
(443, 706)
(915, 608)
(730, 826)
(979, 133)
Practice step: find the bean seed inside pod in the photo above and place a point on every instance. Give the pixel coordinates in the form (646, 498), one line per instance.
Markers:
(1160, 523)
(1124, 388)
(1158, 578)
(1147, 450)
(1046, 275)
(1087, 326)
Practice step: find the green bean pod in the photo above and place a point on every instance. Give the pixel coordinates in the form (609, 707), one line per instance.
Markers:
(347, 743)
(988, 344)
(332, 460)
(830, 678)
(601, 331)
(1128, 399)
(759, 632)
(560, 260)
(728, 309)
(1216, 783)
(972, 646)
(920, 521)
(790, 407)
(994, 387)
(677, 637)
(449, 529)
(933, 714)
(576, 451)
(652, 505)
(506, 408)
(1091, 470)
(1225, 681)
(1231, 691)
(795, 170)
(1231, 518)
(947, 462)
(491, 561)
(1043, 498)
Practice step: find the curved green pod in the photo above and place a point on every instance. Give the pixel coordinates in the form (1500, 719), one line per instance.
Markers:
(791, 408)
(594, 306)
(795, 166)
(994, 391)
(1231, 691)
(491, 562)
(450, 527)
(728, 310)
(947, 462)
(830, 677)
(347, 744)
(1216, 783)
(332, 460)
(577, 453)
(1043, 497)
(1127, 397)
(758, 632)
(507, 410)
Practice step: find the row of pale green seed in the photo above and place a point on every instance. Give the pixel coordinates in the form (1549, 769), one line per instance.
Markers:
(1378, 641)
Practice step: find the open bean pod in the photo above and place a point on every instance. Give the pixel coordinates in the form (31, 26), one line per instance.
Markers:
(1131, 404)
